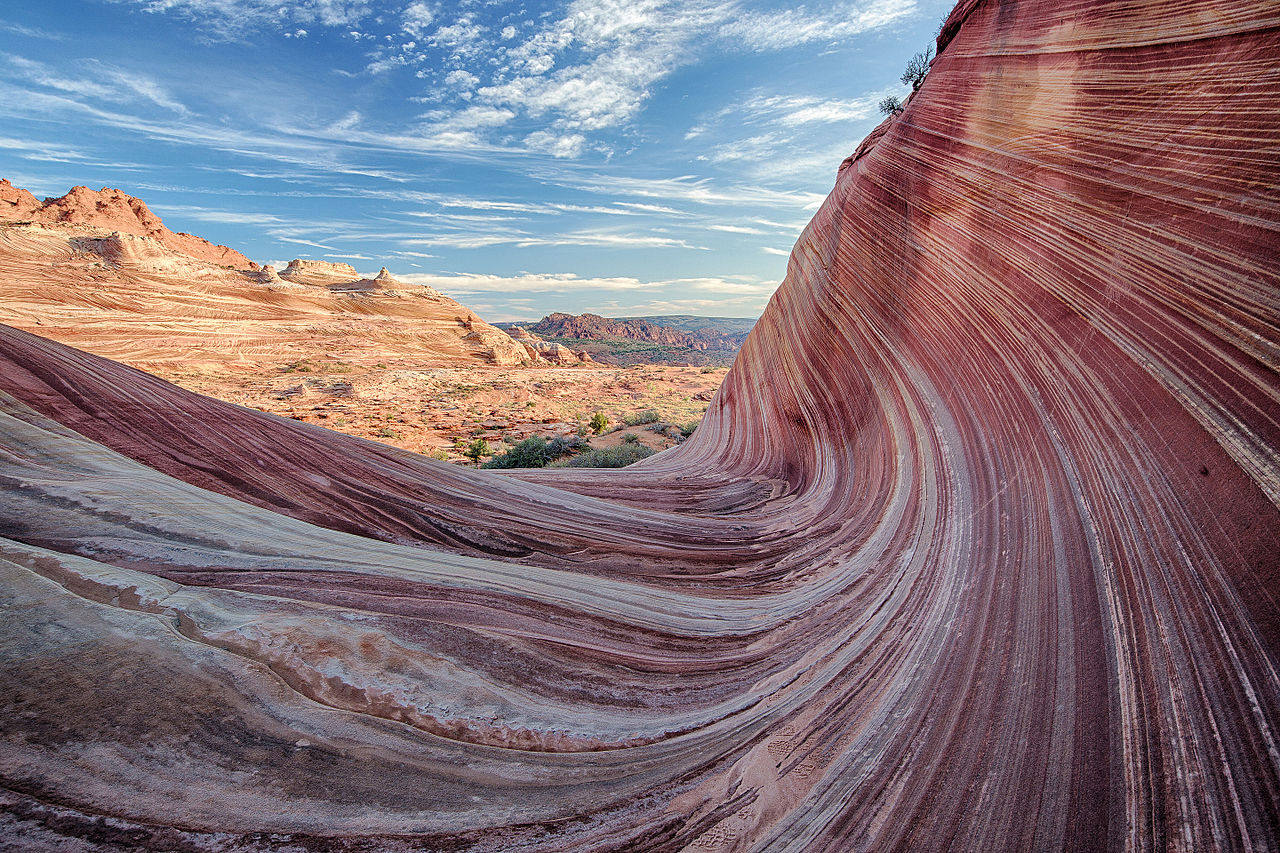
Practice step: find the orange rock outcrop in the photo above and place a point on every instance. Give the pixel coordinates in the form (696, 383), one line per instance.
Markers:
(110, 210)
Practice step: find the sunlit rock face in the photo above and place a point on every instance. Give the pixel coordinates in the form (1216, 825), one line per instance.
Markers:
(977, 548)
(110, 210)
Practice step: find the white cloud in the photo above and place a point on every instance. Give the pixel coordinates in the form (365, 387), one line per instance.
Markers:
(795, 110)
(508, 33)
(416, 18)
(500, 297)
(769, 250)
(31, 150)
(104, 82)
(784, 28)
(465, 283)
(557, 145)
(205, 214)
(462, 79)
(307, 243)
(694, 190)
(31, 32)
(524, 240)
(735, 229)
(239, 18)
(622, 49)
(462, 38)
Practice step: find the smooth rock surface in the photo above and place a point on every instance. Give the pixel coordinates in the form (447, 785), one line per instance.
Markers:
(977, 548)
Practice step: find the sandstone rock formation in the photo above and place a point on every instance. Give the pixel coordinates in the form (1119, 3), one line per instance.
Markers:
(384, 283)
(110, 210)
(555, 353)
(978, 547)
(134, 298)
(319, 273)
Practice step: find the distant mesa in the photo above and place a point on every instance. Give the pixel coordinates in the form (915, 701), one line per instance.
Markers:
(636, 340)
(110, 210)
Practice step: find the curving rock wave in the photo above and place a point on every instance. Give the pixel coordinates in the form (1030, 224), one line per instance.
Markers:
(977, 548)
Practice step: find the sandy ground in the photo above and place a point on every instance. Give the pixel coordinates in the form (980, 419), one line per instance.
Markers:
(432, 409)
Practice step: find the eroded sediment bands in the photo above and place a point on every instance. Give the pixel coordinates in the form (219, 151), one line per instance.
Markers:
(977, 547)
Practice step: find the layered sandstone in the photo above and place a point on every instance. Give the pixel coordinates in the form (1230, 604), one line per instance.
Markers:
(555, 353)
(319, 273)
(110, 210)
(136, 299)
(978, 547)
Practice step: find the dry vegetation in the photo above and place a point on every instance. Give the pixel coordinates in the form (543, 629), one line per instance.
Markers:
(436, 410)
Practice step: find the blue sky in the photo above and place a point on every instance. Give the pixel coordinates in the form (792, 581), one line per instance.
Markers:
(634, 157)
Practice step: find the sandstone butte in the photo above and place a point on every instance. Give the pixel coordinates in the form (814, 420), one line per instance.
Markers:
(99, 270)
(978, 546)
(112, 210)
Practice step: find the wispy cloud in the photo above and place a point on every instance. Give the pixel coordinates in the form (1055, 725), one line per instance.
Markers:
(524, 240)
(236, 18)
(785, 28)
(508, 297)
(481, 283)
(31, 32)
(205, 214)
(102, 82)
(691, 189)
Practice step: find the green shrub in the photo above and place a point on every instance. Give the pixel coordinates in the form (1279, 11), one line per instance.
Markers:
(599, 422)
(687, 429)
(630, 437)
(535, 452)
(648, 416)
(476, 449)
(610, 457)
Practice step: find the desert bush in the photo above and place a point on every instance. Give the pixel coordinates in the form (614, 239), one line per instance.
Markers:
(707, 369)
(477, 449)
(610, 457)
(630, 437)
(648, 416)
(535, 452)
(599, 422)
(687, 430)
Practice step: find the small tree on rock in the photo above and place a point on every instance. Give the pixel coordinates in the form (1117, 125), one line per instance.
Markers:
(918, 68)
(891, 106)
(599, 422)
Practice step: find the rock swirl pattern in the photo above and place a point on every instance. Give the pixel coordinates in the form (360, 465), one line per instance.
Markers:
(977, 548)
